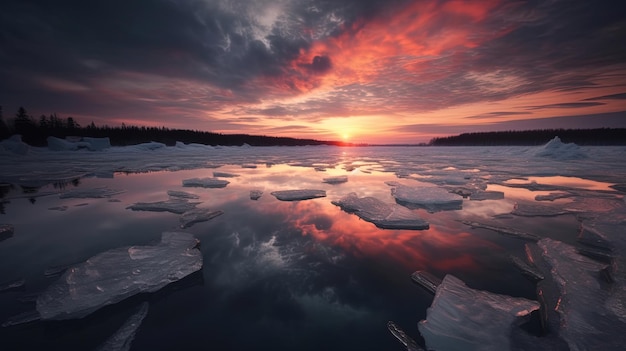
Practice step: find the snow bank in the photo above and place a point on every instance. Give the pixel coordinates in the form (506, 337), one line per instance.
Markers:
(557, 150)
(117, 274)
(386, 216)
(15, 145)
(461, 318)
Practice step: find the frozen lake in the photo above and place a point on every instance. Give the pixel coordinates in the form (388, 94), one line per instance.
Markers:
(300, 270)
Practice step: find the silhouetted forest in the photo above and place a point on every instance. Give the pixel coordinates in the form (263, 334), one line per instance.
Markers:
(598, 136)
(35, 131)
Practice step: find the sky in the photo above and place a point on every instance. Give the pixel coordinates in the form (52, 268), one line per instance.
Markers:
(363, 71)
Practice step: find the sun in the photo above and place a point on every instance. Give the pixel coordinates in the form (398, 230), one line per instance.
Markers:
(345, 136)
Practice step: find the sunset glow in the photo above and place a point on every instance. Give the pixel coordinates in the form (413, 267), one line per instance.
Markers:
(359, 71)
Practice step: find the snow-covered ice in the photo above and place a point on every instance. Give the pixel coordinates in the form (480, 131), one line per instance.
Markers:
(15, 145)
(224, 175)
(205, 182)
(175, 205)
(383, 215)
(557, 150)
(536, 210)
(503, 230)
(124, 336)
(197, 215)
(91, 144)
(117, 274)
(461, 318)
(430, 198)
(298, 194)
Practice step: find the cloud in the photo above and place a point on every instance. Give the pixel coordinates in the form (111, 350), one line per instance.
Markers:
(620, 96)
(567, 105)
(497, 114)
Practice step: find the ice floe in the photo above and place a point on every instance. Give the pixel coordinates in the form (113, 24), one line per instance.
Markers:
(117, 274)
(224, 175)
(486, 195)
(503, 230)
(15, 145)
(94, 193)
(298, 194)
(205, 182)
(335, 180)
(383, 215)
(182, 194)
(430, 198)
(6, 231)
(536, 210)
(461, 318)
(409, 343)
(256, 194)
(197, 215)
(175, 205)
(124, 336)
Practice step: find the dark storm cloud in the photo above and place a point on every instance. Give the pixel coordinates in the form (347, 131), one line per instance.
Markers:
(567, 105)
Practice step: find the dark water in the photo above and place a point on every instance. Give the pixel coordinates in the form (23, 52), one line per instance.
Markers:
(300, 275)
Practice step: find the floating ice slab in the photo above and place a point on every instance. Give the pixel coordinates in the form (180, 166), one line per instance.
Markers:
(178, 206)
(409, 343)
(535, 210)
(487, 195)
(224, 175)
(461, 318)
(592, 316)
(182, 194)
(558, 150)
(383, 215)
(123, 337)
(335, 180)
(197, 215)
(94, 193)
(205, 182)
(6, 231)
(300, 194)
(503, 230)
(117, 274)
(430, 198)
(13, 284)
(256, 194)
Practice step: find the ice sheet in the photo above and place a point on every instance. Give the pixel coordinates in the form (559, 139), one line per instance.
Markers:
(197, 215)
(461, 318)
(298, 194)
(117, 274)
(383, 215)
(123, 337)
(205, 182)
(175, 205)
(432, 199)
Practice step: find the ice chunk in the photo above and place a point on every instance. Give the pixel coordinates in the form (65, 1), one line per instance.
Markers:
(224, 175)
(13, 284)
(151, 146)
(553, 196)
(535, 210)
(123, 337)
(15, 145)
(248, 165)
(117, 274)
(335, 180)
(487, 195)
(592, 316)
(205, 182)
(527, 269)
(461, 318)
(558, 150)
(426, 281)
(182, 194)
(383, 215)
(58, 208)
(6, 231)
(197, 215)
(256, 194)
(409, 343)
(97, 144)
(430, 198)
(299, 194)
(94, 193)
(178, 206)
(503, 230)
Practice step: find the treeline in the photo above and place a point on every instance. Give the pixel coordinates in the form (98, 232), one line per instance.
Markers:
(35, 132)
(597, 136)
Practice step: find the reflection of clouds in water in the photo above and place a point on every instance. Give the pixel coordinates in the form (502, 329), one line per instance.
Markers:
(328, 306)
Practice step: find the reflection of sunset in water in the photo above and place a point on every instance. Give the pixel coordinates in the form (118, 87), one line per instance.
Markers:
(433, 248)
